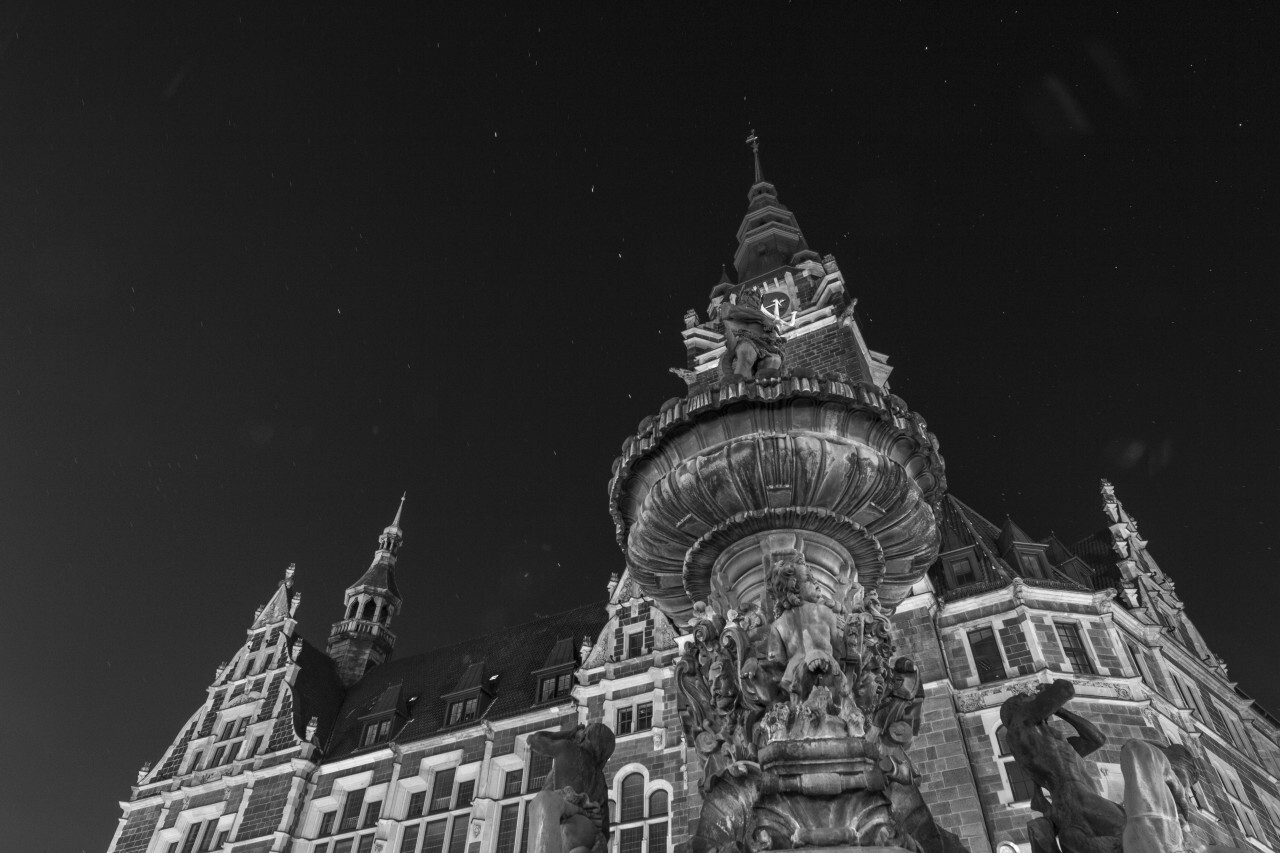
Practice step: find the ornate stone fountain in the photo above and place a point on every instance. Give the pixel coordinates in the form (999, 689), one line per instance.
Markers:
(782, 518)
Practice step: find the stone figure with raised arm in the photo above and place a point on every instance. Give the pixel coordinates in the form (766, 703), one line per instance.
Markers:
(1082, 819)
(571, 813)
(1157, 780)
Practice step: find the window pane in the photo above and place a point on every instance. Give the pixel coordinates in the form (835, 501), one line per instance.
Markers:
(631, 840)
(351, 811)
(962, 571)
(986, 655)
(644, 716)
(507, 828)
(322, 847)
(433, 838)
(539, 767)
(458, 837)
(1019, 782)
(635, 644)
(658, 803)
(210, 831)
(524, 832)
(632, 798)
(217, 756)
(1077, 658)
(455, 714)
(623, 726)
(442, 793)
(564, 684)
(466, 793)
(1002, 738)
(372, 812)
(366, 843)
(417, 800)
(343, 845)
(189, 843)
(410, 839)
(326, 823)
(469, 709)
(658, 837)
(511, 787)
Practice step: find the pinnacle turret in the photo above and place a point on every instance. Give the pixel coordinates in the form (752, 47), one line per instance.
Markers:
(362, 639)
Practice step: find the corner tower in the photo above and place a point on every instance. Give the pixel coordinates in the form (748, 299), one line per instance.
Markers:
(783, 508)
(362, 639)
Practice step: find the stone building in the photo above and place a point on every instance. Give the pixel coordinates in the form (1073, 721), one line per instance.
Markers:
(348, 749)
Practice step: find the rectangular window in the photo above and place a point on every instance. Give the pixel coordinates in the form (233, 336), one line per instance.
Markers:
(961, 571)
(433, 838)
(564, 684)
(322, 847)
(1019, 782)
(343, 845)
(410, 840)
(253, 750)
(631, 840)
(217, 756)
(986, 655)
(195, 762)
(524, 832)
(507, 828)
(623, 719)
(370, 733)
(417, 801)
(384, 730)
(514, 779)
(539, 767)
(644, 716)
(635, 644)
(658, 837)
(1030, 564)
(189, 843)
(326, 823)
(1073, 648)
(227, 728)
(372, 812)
(442, 792)
(222, 839)
(455, 714)
(241, 725)
(366, 843)
(458, 837)
(547, 690)
(210, 832)
(466, 793)
(351, 810)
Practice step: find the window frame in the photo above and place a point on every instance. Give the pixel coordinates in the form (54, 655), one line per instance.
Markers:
(1066, 628)
(1001, 672)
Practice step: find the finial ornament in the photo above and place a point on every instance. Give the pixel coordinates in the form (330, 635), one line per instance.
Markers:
(288, 574)
(396, 521)
(754, 142)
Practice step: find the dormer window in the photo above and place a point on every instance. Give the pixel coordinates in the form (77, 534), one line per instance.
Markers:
(555, 687)
(1030, 563)
(463, 710)
(376, 731)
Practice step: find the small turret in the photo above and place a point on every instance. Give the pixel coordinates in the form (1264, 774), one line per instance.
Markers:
(362, 639)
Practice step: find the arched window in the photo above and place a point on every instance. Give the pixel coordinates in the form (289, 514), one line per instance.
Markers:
(658, 803)
(368, 610)
(351, 611)
(632, 805)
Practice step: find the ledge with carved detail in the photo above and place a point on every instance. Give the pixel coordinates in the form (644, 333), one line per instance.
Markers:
(979, 587)
(993, 694)
(913, 446)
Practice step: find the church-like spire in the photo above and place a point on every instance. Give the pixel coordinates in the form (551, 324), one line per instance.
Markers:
(769, 238)
(362, 639)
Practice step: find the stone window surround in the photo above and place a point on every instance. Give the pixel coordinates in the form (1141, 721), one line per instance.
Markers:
(990, 724)
(610, 713)
(1082, 634)
(174, 834)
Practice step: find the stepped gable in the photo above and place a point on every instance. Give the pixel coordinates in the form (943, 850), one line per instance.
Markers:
(512, 654)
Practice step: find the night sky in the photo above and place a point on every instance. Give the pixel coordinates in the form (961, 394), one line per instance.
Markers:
(265, 271)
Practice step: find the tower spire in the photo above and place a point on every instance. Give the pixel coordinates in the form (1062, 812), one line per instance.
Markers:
(362, 638)
(754, 142)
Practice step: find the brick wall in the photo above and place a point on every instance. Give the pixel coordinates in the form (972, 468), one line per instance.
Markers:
(1100, 638)
(1014, 642)
(266, 807)
(947, 784)
(138, 829)
(831, 349)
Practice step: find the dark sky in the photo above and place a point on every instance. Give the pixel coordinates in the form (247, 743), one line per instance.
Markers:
(264, 271)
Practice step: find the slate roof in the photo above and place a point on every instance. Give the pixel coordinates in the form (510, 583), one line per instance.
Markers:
(1097, 552)
(317, 691)
(380, 575)
(512, 654)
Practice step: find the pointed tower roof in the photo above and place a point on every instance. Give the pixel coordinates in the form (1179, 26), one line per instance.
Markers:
(1010, 532)
(381, 572)
(769, 236)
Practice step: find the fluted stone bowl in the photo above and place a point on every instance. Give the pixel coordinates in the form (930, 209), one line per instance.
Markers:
(823, 457)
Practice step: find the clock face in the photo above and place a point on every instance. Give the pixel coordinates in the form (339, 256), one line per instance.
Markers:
(776, 302)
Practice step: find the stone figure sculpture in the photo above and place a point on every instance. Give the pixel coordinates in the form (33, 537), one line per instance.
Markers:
(1076, 818)
(802, 715)
(753, 347)
(571, 814)
(1082, 820)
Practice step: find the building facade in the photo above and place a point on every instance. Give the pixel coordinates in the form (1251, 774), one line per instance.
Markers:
(352, 750)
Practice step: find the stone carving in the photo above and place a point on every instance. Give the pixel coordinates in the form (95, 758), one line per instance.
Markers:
(1081, 819)
(752, 345)
(1076, 818)
(571, 814)
(802, 714)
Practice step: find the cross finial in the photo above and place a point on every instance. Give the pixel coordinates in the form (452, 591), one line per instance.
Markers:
(754, 142)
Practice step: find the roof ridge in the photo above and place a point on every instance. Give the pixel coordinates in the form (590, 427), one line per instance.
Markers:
(475, 637)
